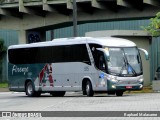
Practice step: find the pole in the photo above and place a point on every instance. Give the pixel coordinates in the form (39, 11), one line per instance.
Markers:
(74, 18)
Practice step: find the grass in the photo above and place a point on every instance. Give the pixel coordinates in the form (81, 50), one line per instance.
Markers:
(3, 85)
(144, 90)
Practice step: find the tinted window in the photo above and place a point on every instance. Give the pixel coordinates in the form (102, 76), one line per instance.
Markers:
(95, 53)
(51, 54)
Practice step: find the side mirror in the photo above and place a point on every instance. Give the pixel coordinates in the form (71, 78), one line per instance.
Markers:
(105, 52)
(145, 52)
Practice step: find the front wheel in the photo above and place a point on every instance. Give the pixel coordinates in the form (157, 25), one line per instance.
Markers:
(30, 91)
(119, 93)
(89, 90)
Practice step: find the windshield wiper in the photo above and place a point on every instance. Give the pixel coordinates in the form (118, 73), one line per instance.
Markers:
(133, 71)
(127, 65)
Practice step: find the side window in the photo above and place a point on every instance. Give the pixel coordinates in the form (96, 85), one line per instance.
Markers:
(50, 54)
(102, 64)
(100, 61)
(22, 55)
(80, 54)
(68, 55)
(13, 56)
(96, 54)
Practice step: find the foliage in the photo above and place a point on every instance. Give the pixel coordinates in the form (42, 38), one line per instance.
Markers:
(154, 26)
(1, 1)
(2, 49)
(3, 85)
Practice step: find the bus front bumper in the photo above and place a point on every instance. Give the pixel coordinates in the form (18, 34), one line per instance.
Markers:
(124, 87)
(129, 87)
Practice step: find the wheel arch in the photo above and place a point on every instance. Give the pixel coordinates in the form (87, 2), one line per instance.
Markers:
(84, 81)
(26, 81)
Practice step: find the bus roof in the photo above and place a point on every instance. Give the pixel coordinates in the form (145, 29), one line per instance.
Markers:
(104, 41)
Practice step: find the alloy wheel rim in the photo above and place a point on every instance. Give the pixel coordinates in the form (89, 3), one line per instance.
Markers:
(30, 89)
(87, 88)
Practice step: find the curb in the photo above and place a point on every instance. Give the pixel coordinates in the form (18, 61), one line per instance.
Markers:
(4, 90)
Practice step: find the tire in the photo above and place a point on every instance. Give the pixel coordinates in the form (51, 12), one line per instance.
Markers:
(58, 93)
(84, 92)
(30, 91)
(89, 90)
(119, 93)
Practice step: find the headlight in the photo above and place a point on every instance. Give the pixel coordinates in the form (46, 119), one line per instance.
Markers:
(112, 78)
(141, 80)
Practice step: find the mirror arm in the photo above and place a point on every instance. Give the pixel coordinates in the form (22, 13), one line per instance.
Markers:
(145, 52)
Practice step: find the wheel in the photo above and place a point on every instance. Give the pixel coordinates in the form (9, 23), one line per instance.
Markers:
(58, 93)
(89, 90)
(30, 90)
(119, 93)
(84, 92)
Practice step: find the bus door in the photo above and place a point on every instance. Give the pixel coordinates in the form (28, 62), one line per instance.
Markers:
(100, 64)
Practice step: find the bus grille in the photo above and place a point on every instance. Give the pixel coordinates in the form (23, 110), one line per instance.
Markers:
(128, 82)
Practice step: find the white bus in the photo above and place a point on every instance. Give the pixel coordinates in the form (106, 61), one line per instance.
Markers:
(87, 64)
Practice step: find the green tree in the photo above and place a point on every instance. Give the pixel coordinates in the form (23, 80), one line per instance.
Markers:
(2, 53)
(2, 49)
(154, 26)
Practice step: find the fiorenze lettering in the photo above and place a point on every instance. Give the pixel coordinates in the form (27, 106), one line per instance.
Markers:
(16, 69)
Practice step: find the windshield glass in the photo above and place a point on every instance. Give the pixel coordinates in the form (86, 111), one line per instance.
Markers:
(124, 61)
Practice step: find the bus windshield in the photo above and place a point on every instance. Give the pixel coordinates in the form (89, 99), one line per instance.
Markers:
(124, 61)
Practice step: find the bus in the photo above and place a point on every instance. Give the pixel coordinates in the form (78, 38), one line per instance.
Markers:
(86, 64)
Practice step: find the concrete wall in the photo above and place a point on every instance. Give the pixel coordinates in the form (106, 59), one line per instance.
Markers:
(141, 39)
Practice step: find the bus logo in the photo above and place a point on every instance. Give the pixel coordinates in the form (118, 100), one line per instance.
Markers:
(16, 69)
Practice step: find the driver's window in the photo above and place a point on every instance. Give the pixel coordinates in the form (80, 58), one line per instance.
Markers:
(101, 61)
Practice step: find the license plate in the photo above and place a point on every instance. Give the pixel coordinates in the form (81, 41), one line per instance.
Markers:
(128, 87)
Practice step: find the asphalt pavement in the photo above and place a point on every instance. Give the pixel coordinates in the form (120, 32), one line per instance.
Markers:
(109, 105)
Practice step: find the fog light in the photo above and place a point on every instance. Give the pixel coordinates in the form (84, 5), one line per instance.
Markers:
(113, 86)
(141, 86)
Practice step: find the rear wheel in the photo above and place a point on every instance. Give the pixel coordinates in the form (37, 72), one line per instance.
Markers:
(89, 90)
(58, 93)
(30, 91)
(119, 93)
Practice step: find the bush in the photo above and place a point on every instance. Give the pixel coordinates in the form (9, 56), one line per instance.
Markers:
(2, 49)
(2, 53)
(154, 26)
